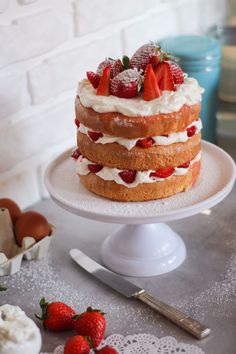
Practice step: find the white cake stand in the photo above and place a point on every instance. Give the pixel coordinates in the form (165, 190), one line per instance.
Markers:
(142, 247)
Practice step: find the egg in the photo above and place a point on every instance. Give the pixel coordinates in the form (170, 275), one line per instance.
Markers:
(12, 207)
(31, 223)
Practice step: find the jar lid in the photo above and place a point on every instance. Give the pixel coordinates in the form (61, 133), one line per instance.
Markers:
(192, 47)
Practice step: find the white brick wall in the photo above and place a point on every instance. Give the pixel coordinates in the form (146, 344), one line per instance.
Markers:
(105, 12)
(46, 47)
(62, 71)
(31, 36)
(14, 95)
(4, 5)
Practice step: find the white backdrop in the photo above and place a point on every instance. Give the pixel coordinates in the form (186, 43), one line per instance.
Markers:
(46, 47)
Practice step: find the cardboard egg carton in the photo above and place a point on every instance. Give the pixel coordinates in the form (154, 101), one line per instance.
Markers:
(11, 255)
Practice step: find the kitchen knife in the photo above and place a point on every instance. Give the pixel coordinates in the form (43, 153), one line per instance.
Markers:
(130, 290)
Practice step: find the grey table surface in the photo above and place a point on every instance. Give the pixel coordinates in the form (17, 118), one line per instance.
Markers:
(204, 286)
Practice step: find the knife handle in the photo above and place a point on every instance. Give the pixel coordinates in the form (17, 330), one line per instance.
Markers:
(182, 320)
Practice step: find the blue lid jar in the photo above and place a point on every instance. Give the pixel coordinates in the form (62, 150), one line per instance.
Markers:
(199, 57)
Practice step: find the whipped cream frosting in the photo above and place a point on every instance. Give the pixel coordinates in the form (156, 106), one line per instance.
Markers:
(18, 333)
(112, 174)
(189, 93)
(178, 137)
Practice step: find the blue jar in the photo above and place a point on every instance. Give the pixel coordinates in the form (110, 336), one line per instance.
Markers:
(199, 57)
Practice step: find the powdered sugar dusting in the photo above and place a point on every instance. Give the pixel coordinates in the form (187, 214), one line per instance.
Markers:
(127, 83)
(188, 93)
(122, 122)
(41, 278)
(220, 293)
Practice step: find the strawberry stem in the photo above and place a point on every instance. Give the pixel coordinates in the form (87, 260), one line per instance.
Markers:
(90, 309)
(125, 61)
(44, 307)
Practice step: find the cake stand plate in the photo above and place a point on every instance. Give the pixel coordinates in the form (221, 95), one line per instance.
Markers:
(144, 246)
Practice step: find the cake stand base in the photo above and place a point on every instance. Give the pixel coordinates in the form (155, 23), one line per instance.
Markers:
(143, 250)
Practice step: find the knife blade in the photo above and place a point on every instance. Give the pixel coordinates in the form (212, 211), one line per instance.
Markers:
(130, 290)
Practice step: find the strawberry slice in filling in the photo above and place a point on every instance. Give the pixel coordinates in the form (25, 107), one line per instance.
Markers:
(163, 172)
(94, 168)
(94, 135)
(76, 154)
(127, 176)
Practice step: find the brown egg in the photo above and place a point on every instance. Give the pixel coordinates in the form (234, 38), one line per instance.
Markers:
(31, 224)
(12, 207)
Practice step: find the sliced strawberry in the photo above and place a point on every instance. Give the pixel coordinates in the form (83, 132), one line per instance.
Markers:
(151, 89)
(76, 154)
(127, 176)
(77, 122)
(185, 165)
(145, 143)
(163, 172)
(147, 54)
(94, 135)
(191, 131)
(115, 64)
(104, 84)
(126, 84)
(164, 76)
(93, 78)
(94, 168)
(152, 174)
(177, 72)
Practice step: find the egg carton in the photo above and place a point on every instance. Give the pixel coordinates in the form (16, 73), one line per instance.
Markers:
(11, 255)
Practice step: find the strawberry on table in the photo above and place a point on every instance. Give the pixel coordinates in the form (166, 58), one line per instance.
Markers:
(92, 324)
(115, 64)
(77, 345)
(151, 89)
(104, 83)
(127, 84)
(149, 53)
(56, 316)
(107, 350)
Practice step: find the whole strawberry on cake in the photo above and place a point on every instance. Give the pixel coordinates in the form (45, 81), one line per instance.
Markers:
(138, 127)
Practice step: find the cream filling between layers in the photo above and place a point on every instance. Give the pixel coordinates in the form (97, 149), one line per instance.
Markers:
(112, 174)
(178, 137)
(189, 93)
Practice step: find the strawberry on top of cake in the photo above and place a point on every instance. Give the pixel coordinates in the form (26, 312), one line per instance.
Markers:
(134, 117)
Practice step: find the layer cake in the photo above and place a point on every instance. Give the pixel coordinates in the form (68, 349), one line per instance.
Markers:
(138, 128)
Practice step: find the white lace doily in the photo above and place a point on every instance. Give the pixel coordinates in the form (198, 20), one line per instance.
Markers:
(144, 344)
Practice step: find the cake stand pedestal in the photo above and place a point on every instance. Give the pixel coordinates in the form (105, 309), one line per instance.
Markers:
(143, 246)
